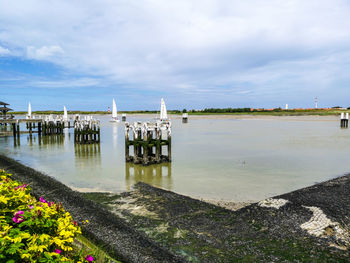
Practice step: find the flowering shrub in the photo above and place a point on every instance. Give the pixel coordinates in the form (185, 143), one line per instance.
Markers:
(32, 230)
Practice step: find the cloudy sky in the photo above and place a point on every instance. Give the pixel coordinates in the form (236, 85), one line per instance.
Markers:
(194, 53)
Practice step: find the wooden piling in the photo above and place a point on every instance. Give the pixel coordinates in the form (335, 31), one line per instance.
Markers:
(14, 129)
(127, 152)
(87, 131)
(169, 146)
(147, 143)
(17, 129)
(344, 120)
(184, 117)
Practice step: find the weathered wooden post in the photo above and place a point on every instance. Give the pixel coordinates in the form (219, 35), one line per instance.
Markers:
(169, 143)
(184, 117)
(14, 129)
(136, 147)
(18, 131)
(39, 128)
(344, 120)
(99, 133)
(139, 143)
(30, 128)
(127, 144)
(145, 160)
(158, 144)
(44, 128)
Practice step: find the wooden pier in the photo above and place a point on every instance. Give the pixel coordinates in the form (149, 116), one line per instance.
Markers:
(147, 142)
(52, 127)
(33, 125)
(87, 131)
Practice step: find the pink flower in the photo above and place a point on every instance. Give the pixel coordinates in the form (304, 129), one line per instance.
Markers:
(31, 207)
(41, 199)
(18, 218)
(19, 213)
(22, 186)
(57, 251)
(89, 258)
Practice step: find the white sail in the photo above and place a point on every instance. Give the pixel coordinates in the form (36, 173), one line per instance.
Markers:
(29, 115)
(163, 112)
(114, 110)
(65, 113)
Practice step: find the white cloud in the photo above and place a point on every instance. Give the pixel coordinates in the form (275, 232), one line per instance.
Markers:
(4, 51)
(196, 44)
(45, 52)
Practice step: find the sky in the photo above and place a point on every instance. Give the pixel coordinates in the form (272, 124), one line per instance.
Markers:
(194, 53)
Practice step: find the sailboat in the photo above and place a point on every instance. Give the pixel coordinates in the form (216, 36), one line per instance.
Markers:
(114, 113)
(65, 114)
(163, 112)
(29, 115)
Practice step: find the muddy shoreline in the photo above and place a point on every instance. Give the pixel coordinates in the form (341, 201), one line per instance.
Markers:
(149, 224)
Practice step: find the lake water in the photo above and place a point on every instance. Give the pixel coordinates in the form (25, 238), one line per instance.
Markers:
(214, 157)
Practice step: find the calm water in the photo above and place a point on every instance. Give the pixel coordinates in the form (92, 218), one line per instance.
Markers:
(214, 158)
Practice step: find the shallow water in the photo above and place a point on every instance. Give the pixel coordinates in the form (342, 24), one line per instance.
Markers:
(214, 158)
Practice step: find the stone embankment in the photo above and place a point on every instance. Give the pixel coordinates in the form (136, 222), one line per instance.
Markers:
(107, 230)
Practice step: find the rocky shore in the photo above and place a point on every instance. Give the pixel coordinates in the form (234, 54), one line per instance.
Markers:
(153, 225)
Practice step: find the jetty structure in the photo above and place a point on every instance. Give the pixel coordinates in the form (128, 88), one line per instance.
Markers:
(148, 139)
(87, 131)
(344, 120)
(4, 109)
(114, 112)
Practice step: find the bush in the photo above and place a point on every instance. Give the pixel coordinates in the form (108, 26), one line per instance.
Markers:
(32, 230)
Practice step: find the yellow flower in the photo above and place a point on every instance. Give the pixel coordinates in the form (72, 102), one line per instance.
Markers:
(25, 255)
(4, 199)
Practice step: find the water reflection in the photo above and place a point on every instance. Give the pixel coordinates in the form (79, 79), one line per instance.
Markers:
(51, 141)
(16, 141)
(87, 155)
(157, 175)
(115, 136)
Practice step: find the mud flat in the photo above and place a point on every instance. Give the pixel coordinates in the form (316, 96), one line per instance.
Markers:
(308, 225)
(149, 224)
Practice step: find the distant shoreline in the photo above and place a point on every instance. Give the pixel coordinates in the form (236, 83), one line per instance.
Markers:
(311, 112)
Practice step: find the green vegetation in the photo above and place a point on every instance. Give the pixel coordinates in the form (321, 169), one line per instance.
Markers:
(272, 112)
(211, 111)
(38, 230)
